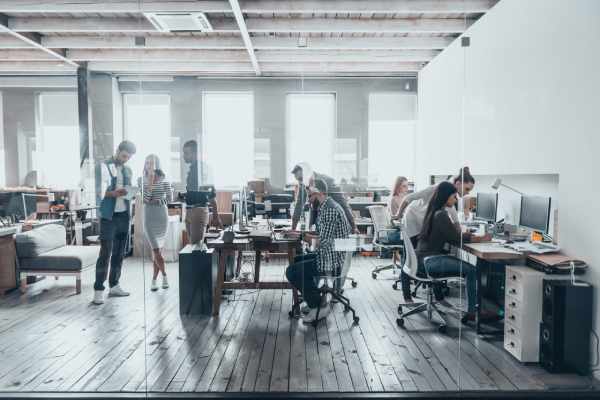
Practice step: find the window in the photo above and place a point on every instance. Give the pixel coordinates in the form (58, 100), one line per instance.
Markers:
(310, 130)
(228, 137)
(345, 158)
(391, 137)
(57, 141)
(2, 157)
(148, 125)
(262, 158)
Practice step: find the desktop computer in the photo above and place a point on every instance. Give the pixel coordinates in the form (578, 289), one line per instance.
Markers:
(535, 213)
(487, 207)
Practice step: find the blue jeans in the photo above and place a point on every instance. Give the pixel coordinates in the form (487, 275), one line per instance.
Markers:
(302, 275)
(444, 266)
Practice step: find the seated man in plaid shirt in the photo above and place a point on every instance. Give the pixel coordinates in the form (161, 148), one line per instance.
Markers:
(303, 274)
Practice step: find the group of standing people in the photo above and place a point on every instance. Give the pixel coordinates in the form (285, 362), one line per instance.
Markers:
(115, 214)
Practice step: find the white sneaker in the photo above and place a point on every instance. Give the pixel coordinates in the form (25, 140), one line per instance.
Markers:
(98, 297)
(154, 285)
(165, 282)
(312, 314)
(116, 291)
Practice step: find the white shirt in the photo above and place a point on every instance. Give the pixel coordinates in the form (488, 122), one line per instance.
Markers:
(414, 215)
(117, 171)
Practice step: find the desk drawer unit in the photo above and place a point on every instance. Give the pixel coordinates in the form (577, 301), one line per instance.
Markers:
(523, 312)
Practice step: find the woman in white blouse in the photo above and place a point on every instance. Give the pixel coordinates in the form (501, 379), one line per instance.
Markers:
(398, 193)
(157, 192)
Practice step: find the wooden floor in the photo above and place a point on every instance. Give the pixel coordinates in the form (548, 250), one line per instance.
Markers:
(53, 340)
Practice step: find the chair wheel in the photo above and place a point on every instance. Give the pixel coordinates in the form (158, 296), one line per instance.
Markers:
(356, 319)
(400, 322)
(400, 309)
(374, 275)
(315, 323)
(442, 329)
(414, 293)
(354, 284)
(346, 308)
(395, 286)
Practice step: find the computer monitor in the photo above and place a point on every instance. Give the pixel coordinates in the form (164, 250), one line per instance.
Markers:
(487, 206)
(535, 213)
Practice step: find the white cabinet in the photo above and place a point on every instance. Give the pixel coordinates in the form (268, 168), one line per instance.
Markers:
(523, 312)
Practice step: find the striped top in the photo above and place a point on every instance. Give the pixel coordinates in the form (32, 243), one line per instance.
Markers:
(157, 192)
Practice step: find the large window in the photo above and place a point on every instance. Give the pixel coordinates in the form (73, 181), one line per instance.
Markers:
(391, 137)
(310, 130)
(148, 125)
(228, 137)
(57, 141)
(346, 159)
(2, 157)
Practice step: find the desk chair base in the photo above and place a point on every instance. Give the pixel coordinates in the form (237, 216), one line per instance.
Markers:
(431, 307)
(335, 295)
(377, 270)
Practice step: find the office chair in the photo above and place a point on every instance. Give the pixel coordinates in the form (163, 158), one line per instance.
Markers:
(382, 222)
(336, 294)
(430, 305)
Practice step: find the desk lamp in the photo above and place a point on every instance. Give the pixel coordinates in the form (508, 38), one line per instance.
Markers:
(498, 182)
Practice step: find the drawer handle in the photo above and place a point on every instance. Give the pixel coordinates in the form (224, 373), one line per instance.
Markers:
(513, 304)
(514, 277)
(512, 317)
(512, 331)
(513, 291)
(512, 344)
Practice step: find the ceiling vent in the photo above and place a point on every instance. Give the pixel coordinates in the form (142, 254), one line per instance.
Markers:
(180, 22)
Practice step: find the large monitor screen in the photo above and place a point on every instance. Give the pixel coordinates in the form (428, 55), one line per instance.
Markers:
(535, 213)
(487, 204)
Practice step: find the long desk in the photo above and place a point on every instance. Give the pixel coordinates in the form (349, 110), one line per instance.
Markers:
(493, 252)
(224, 250)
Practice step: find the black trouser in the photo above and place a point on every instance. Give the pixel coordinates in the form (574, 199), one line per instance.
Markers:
(113, 239)
(302, 274)
(405, 279)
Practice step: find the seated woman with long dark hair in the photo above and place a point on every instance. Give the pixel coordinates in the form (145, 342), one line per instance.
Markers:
(438, 232)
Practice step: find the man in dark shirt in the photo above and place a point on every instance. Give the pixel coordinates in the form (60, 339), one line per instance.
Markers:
(335, 193)
(197, 215)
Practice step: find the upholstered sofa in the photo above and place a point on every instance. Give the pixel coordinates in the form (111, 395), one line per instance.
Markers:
(44, 252)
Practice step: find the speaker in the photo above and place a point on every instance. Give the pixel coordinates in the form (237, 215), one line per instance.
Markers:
(566, 326)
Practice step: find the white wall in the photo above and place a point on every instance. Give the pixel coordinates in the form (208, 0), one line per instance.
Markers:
(531, 101)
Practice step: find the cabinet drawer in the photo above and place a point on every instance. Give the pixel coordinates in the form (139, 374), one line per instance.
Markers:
(514, 276)
(514, 318)
(512, 303)
(511, 331)
(513, 345)
(514, 290)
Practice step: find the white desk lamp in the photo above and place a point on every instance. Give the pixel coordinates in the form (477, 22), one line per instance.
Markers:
(498, 182)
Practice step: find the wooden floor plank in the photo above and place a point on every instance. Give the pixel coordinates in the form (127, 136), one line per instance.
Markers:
(313, 366)
(340, 363)
(280, 377)
(263, 377)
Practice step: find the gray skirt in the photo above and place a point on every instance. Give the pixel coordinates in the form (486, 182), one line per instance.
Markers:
(156, 218)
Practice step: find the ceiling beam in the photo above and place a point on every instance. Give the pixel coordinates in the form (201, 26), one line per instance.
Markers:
(254, 25)
(42, 67)
(31, 54)
(329, 25)
(239, 17)
(254, 6)
(246, 68)
(32, 39)
(236, 43)
(279, 56)
(10, 42)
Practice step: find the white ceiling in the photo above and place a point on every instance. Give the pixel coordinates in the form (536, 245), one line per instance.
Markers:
(250, 38)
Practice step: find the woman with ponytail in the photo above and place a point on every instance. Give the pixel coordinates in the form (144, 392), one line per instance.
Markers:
(414, 207)
(438, 232)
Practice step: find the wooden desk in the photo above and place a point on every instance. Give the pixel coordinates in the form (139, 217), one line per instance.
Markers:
(493, 252)
(258, 246)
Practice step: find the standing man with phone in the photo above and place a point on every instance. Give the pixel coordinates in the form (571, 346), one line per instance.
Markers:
(115, 217)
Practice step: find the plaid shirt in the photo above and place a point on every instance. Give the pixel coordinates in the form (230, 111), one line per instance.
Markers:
(331, 224)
